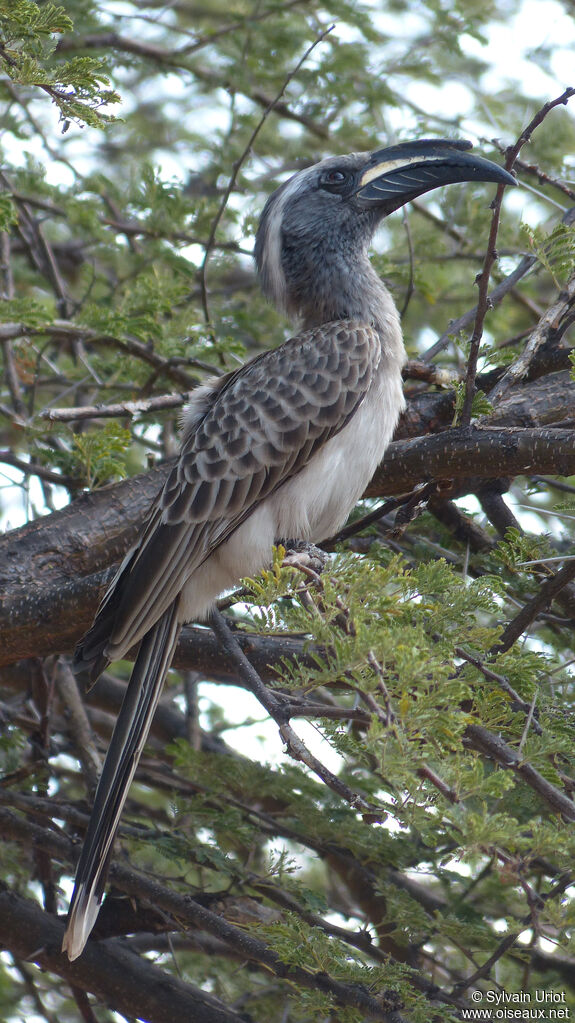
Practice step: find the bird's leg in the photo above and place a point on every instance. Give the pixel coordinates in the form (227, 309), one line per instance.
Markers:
(304, 555)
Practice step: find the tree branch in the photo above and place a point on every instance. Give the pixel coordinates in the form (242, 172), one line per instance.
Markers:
(53, 570)
(490, 745)
(549, 324)
(541, 602)
(40, 937)
(278, 710)
(494, 297)
(482, 452)
(122, 980)
(273, 103)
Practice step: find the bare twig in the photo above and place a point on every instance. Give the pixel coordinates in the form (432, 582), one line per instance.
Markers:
(491, 254)
(534, 607)
(411, 282)
(85, 746)
(502, 682)
(529, 721)
(536, 171)
(416, 369)
(7, 292)
(278, 711)
(481, 310)
(140, 407)
(493, 299)
(34, 469)
(428, 774)
(33, 993)
(551, 323)
(64, 328)
(484, 971)
(273, 104)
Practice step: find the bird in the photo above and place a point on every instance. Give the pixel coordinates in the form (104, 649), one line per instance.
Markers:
(282, 447)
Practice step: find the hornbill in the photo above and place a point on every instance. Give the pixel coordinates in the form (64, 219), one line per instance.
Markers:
(282, 447)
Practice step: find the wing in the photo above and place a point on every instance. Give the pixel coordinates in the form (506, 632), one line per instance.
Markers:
(248, 434)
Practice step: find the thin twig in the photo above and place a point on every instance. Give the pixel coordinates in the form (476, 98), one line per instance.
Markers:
(485, 970)
(491, 254)
(34, 469)
(481, 310)
(126, 408)
(278, 711)
(40, 1009)
(534, 607)
(502, 682)
(528, 722)
(428, 774)
(7, 292)
(550, 324)
(68, 329)
(75, 711)
(541, 175)
(239, 163)
(491, 745)
(494, 297)
(411, 282)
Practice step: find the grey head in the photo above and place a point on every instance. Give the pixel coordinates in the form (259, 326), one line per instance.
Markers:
(314, 234)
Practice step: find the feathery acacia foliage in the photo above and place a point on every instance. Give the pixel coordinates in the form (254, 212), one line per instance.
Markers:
(416, 844)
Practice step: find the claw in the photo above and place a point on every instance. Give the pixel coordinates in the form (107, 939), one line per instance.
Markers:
(304, 556)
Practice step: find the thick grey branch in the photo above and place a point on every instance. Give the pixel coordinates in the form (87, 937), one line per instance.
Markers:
(123, 981)
(53, 570)
(479, 452)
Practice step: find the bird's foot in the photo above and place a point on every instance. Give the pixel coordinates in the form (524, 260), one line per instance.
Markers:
(305, 556)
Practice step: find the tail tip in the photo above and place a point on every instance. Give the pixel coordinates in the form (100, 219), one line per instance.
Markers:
(83, 913)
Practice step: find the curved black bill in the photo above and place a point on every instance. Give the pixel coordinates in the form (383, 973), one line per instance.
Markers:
(394, 176)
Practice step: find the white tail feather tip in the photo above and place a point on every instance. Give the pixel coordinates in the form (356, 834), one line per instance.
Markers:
(82, 917)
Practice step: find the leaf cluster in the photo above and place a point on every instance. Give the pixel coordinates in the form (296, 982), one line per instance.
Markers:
(79, 87)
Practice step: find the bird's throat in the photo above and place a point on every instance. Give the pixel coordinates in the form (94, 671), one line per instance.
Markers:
(360, 296)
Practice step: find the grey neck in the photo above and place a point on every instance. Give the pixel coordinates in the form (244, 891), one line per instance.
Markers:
(358, 295)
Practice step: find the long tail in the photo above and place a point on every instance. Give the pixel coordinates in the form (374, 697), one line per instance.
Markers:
(130, 734)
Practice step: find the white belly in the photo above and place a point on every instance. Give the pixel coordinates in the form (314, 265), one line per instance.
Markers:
(311, 506)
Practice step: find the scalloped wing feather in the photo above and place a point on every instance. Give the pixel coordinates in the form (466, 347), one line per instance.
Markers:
(247, 434)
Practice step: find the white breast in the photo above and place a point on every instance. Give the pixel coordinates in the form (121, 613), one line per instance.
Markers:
(311, 506)
(317, 502)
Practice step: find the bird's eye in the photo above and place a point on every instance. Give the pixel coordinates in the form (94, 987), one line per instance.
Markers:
(334, 180)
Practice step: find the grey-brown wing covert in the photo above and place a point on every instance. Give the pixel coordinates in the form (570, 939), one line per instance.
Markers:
(253, 430)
